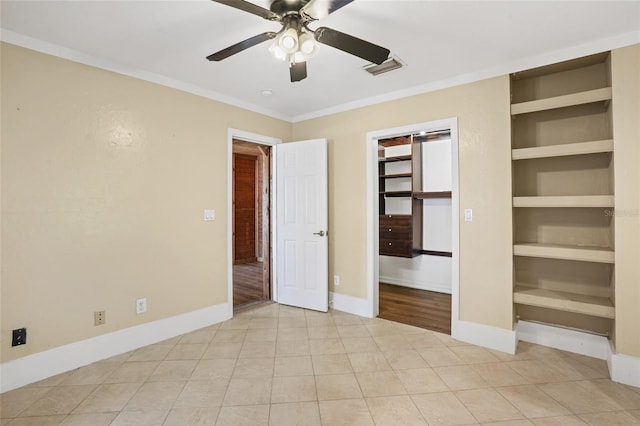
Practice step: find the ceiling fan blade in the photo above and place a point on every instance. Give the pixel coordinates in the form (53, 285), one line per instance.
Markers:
(239, 47)
(353, 45)
(318, 9)
(298, 71)
(251, 8)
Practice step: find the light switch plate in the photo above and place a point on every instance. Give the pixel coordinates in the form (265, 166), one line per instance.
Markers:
(468, 215)
(209, 215)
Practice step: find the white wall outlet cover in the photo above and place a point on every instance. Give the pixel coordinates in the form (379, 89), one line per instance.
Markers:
(209, 215)
(141, 306)
(468, 215)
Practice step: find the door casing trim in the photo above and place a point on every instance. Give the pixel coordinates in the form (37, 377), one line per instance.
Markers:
(372, 211)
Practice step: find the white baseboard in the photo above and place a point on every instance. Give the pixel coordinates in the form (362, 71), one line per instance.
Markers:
(350, 304)
(39, 366)
(429, 286)
(564, 339)
(624, 368)
(486, 336)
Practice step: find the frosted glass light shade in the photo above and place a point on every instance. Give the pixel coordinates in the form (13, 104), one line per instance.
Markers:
(289, 41)
(277, 51)
(308, 45)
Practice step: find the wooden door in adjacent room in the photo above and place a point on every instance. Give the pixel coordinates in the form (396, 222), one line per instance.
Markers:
(244, 208)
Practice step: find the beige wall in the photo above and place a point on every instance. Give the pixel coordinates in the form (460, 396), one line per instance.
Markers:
(104, 182)
(625, 76)
(104, 179)
(483, 115)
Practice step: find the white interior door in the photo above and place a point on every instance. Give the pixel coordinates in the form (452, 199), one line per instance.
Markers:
(301, 217)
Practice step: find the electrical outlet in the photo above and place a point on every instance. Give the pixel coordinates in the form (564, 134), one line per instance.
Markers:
(99, 317)
(141, 306)
(336, 280)
(19, 337)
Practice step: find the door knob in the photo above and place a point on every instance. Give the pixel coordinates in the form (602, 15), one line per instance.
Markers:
(321, 233)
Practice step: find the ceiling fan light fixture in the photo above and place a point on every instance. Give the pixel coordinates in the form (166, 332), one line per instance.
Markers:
(308, 45)
(288, 41)
(277, 51)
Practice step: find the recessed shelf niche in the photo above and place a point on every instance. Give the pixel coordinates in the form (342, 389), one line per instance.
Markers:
(563, 194)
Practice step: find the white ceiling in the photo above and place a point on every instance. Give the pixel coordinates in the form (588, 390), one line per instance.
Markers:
(443, 43)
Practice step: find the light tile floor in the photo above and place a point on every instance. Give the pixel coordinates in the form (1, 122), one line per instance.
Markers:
(278, 365)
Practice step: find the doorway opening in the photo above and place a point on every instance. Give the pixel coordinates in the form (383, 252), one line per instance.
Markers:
(414, 266)
(251, 223)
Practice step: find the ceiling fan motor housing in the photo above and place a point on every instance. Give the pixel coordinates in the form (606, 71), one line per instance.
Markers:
(284, 7)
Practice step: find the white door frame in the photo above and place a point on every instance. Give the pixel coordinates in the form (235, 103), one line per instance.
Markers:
(262, 140)
(372, 211)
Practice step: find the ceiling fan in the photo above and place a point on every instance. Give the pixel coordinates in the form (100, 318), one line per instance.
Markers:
(296, 41)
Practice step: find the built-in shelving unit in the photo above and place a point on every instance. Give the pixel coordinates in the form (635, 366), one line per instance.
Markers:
(563, 199)
(395, 181)
(414, 185)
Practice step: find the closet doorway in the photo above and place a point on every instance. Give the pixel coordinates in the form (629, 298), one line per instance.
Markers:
(251, 223)
(415, 259)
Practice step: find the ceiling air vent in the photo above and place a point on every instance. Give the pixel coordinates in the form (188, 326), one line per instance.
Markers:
(390, 64)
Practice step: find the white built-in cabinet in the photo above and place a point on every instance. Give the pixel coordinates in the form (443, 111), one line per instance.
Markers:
(563, 194)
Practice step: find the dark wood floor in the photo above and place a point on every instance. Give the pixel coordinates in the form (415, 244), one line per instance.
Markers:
(421, 308)
(247, 283)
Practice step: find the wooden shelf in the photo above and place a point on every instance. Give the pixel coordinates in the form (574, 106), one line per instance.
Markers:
(573, 64)
(396, 193)
(398, 175)
(597, 95)
(567, 252)
(565, 201)
(569, 302)
(435, 253)
(428, 195)
(580, 148)
(394, 159)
